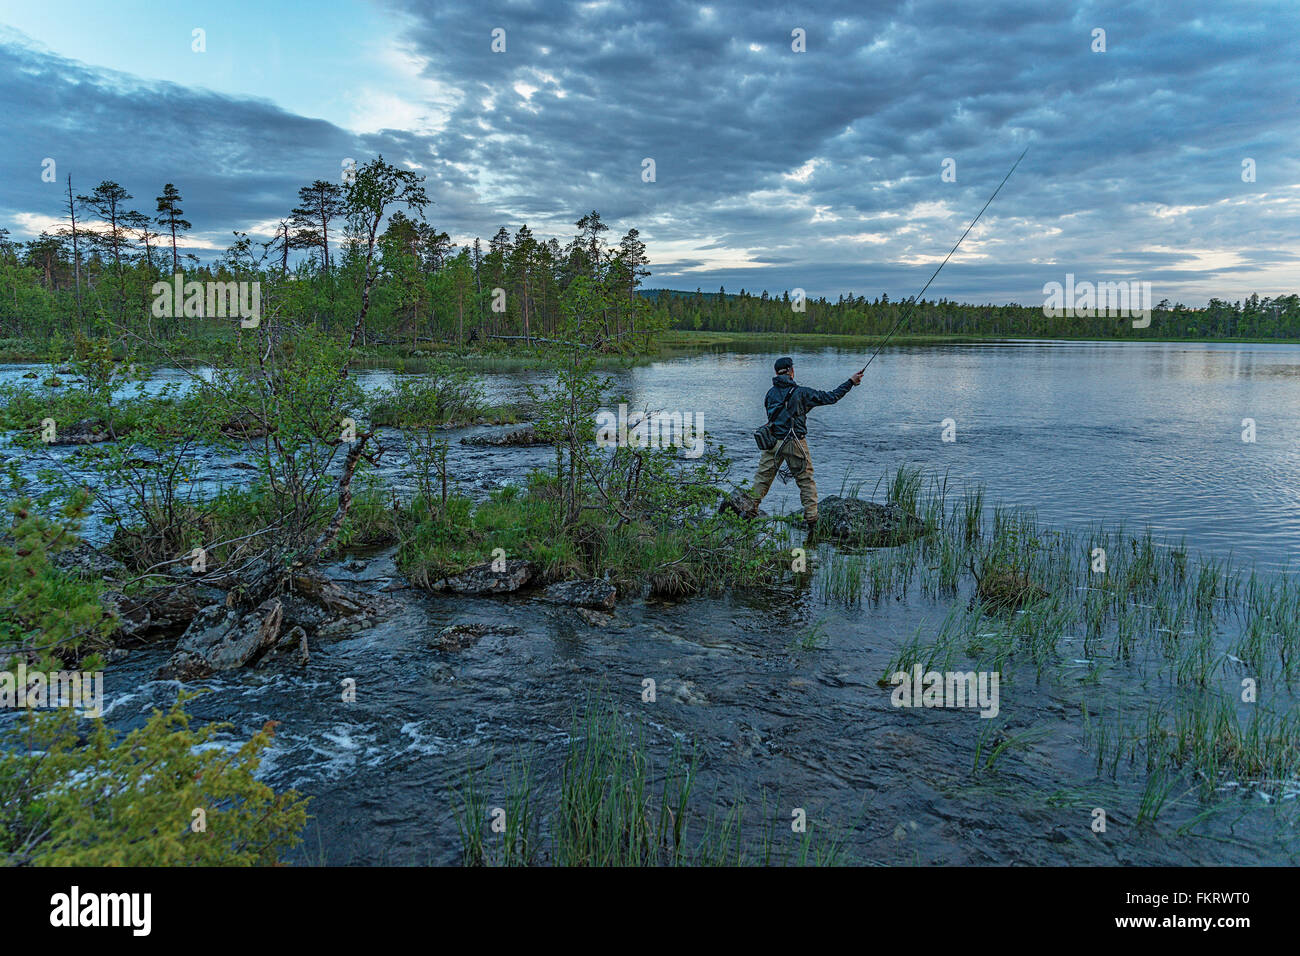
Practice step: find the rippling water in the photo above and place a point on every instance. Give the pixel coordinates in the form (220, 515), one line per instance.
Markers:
(1144, 433)
(1150, 434)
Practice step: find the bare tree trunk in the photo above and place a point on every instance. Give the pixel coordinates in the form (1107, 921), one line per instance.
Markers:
(527, 336)
(76, 254)
(326, 537)
(359, 329)
(325, 241)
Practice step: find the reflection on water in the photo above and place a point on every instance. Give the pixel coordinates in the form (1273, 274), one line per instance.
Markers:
(1146, 433)
(1083, 432)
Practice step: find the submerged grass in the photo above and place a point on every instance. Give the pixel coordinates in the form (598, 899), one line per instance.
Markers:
(1095, 608)
(612, 807)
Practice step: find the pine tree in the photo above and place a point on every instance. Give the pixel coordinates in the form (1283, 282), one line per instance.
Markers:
(171, 218)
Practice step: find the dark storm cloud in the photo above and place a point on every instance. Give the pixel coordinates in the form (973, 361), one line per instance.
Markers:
(1162, 119)
(234, 159)
(800, 163)
(237, 161)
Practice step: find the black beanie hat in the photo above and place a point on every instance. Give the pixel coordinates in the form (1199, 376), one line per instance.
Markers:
(783, 362)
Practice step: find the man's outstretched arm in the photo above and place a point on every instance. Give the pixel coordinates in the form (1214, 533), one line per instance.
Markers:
(812, 397)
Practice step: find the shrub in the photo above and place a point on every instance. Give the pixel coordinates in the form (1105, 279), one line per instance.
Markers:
(163, 795)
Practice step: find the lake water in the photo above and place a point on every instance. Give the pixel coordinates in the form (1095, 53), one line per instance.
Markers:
(1150, 434)
(1144, 433)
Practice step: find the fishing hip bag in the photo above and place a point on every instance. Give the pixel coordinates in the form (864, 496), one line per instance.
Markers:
(764, 436)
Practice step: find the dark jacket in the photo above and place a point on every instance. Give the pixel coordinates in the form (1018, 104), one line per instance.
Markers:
(795, 410)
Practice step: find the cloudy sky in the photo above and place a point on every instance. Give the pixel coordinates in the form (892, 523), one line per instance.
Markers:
(774, 169)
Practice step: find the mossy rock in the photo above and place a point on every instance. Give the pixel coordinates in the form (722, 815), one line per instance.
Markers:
(1005, 590)
(866, 524)
(526, 437)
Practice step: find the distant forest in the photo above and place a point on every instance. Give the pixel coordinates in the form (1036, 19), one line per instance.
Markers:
(1253, 318)
(329, 254)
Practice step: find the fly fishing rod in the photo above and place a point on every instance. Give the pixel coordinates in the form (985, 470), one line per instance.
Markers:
(912, 301)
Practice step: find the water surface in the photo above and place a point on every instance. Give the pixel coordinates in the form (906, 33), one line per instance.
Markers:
(1148, 434)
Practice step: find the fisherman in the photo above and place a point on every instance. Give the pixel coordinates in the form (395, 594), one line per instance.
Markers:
(787, 405)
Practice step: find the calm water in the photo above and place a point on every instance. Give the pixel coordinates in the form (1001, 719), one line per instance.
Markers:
(1144, 433)
(1150, 434)
(1083, 432)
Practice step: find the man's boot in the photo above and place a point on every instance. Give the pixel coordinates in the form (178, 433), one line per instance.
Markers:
(740, 504)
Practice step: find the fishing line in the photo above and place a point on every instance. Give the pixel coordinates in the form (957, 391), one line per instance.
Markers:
(912, 301)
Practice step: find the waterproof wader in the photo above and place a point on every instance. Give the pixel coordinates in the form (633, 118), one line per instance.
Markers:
(794, 452)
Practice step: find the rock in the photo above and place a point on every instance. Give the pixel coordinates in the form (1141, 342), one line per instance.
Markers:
(332, 609)
(742, 505)
(865, 523)
(520, 436)
(460, 636)
(248, 427)
(595, 618)
(595, 594)
(31, 375)
(481, 579)
(441, 673)
(321, 606)
(300, 612)
(1006, 590)
(159, 612)
(346, 626)
(332, 597)
(87, 561)
(292, 647)
(684, 692)
(222, 638)
(88, 432)
(133, 619)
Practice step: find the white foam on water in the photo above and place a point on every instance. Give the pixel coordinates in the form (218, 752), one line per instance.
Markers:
(425, 743)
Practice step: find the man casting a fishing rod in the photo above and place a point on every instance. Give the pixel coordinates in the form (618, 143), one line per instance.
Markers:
(783, 439)
(788, 405)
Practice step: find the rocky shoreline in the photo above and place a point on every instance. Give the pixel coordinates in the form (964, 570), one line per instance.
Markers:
(214, 629)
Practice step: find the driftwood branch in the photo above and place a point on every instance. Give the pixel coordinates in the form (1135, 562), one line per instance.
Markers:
(327, 536)
(534, 338)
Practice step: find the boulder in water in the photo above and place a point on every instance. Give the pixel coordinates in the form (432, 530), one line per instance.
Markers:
(222, 638)
(482, 579)
(460, 636)
(92, 431)
(345, 610)
(865, 523)
(520, 436)
(595, 594)
(292, 646)
(246, 427)
(158, 613)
